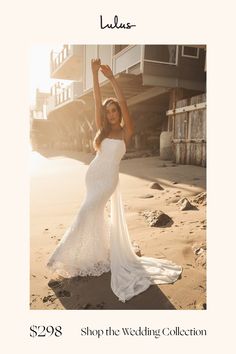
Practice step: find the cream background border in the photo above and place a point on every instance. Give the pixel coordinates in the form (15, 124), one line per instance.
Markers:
(158, 22)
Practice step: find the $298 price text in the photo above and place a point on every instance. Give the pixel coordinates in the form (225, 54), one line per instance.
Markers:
(45, 331)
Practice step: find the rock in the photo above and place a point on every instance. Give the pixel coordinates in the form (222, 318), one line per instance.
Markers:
(156, 185)
(158, 219)
(200, 254)
(174, 182)
(45, 229)
(146, 196)
(64, 293)
(201, 260)
(200, 198)
(197, 248)
(54, 284)
(185, 204)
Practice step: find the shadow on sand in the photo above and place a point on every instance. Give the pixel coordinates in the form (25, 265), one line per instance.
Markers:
(79, 156)
(183, 174)
(94, 293)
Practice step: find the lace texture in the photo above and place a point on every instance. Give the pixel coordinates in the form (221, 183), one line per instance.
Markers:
(93, 245)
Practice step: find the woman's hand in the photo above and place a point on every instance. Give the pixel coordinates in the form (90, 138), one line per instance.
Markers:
(95, 64)
(106, 70)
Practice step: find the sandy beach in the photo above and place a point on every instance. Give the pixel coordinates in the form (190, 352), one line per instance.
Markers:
(57, 190)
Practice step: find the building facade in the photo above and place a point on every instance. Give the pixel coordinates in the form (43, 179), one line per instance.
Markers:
(153, 78)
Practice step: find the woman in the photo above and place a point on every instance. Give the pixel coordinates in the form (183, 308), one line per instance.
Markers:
(91, 246)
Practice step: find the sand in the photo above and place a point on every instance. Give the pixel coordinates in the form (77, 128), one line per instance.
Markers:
(57, 189)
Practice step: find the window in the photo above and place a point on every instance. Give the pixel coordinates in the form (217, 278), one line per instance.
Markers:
(161, 53)
(191, 52)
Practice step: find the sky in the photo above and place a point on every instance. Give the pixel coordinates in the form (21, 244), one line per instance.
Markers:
(40, 68)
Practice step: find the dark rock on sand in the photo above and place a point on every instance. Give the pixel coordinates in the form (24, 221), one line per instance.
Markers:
(158, 219)
(156, 185)
(186, 205)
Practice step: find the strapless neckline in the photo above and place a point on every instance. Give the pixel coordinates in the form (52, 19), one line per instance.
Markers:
(114, 139)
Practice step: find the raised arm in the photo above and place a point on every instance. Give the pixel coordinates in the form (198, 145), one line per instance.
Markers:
(95, 65)
(128, 121)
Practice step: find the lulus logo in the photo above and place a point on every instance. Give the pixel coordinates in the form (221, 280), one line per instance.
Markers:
(115, 24)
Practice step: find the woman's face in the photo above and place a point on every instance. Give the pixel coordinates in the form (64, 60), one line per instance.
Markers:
(113, 115)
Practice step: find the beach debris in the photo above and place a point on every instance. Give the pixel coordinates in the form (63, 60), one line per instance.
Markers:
(156, 185)
(50, 298)
(200, 198)
(185, 204)
(200, 254)
(157, 218)
(136, 249)
(203, 222)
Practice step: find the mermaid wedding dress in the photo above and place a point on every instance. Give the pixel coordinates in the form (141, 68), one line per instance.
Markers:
(93, 245)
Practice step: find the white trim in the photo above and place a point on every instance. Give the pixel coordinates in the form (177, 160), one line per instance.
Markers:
(159, 62)
(177, 55)
(142, 58)
(114, 57)
(123, 50)
(189, 56)
(193, 107)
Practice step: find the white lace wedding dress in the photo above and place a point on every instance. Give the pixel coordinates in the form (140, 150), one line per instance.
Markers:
(93, 245)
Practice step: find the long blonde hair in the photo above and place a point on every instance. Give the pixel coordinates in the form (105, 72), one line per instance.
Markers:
(106, 126)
